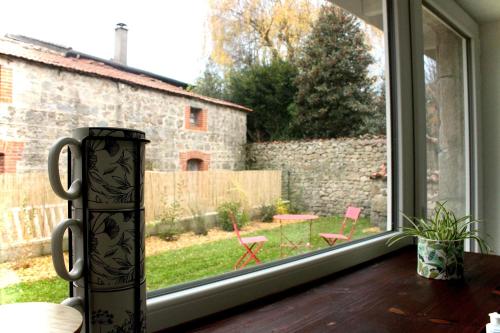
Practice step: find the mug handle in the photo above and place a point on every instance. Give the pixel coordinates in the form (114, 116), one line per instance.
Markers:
(57, 250)
(74, 302)
(74, 190)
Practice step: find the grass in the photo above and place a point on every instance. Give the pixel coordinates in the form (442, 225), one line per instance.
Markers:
(193, 262)
(49, 290)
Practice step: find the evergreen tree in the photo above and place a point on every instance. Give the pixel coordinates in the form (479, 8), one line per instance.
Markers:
(269, 90)
(334, 89)
(374, 119)
(211, 83)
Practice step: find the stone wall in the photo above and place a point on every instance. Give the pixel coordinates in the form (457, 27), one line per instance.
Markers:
(329, 175)
(48, 102)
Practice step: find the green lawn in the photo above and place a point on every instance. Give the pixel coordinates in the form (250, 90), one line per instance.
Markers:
(48, 290)
(191, 263)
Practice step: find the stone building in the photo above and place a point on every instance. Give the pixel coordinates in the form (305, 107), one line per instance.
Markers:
(46, 90)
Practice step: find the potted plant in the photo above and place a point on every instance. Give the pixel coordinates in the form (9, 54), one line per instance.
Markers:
(441, 242)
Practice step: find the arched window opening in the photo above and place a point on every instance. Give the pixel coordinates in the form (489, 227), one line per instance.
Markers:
(2, 163)
(194, 164)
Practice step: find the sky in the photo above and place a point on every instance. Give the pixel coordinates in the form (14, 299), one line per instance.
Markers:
(166, 37)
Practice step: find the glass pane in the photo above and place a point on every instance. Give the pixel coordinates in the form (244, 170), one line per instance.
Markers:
(314, 144)
(444, 61)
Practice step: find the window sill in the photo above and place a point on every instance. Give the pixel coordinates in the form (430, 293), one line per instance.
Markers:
(186, 305)
(197, 129)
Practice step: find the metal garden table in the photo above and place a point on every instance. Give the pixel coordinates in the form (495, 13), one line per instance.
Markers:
(294, 217)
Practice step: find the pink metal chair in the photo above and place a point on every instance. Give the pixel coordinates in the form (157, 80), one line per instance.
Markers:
(352, 213)
(252, 246)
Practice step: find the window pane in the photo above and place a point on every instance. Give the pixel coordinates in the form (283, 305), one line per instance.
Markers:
(295, 125)
(444, 62)
(194, 165)
(310, 155)
(194, 117)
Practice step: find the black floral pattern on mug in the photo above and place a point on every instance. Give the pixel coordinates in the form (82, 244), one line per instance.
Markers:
(126, 326)
(113, 311)
(111, 167)
(111, 171)
(101, 317)
(112, 248)
(116, 132)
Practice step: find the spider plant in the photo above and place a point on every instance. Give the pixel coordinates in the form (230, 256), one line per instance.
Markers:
(442, 225)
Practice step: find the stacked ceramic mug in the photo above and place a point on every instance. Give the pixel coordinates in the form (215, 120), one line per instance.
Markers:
(106, 171)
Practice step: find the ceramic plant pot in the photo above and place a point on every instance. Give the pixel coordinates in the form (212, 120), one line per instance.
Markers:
(440, 260)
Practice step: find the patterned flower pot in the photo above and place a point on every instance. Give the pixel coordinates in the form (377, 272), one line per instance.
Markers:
(441, 260)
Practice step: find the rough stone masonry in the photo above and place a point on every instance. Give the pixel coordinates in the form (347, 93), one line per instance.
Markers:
(328, 175)
(48, 102)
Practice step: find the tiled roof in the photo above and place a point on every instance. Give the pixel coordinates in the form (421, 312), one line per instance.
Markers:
(93, 67)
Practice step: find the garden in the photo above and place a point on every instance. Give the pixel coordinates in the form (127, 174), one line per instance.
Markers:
(185, 250)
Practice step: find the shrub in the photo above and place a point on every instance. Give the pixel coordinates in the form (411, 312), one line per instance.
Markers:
(267, 212)
(199, 226)
(168, 226)
(169, 234)
(223, 219)
(281, 207)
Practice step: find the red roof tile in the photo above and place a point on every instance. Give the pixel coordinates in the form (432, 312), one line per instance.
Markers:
(92, 67)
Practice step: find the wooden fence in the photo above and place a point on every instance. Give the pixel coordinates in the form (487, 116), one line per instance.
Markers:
(205, 190)
(30, 209)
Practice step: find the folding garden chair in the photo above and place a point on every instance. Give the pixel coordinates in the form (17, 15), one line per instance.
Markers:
(252, 246)
(352, 213)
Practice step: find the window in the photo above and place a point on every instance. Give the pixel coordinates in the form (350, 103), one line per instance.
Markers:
(2, 162)
(194, 161)
(368, 162)
(194, 164)
(337, 167)
(222, 294)
(196, 118)
(5, 85)
(10, 153)
(446, 113)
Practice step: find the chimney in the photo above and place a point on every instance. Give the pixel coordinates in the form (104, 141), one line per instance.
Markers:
(121, 44)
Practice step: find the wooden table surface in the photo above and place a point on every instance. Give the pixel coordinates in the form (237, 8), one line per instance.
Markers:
(39, 317)
(384, 295)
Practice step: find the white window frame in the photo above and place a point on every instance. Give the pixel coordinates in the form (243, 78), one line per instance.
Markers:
(460, 21)
(407, 95)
